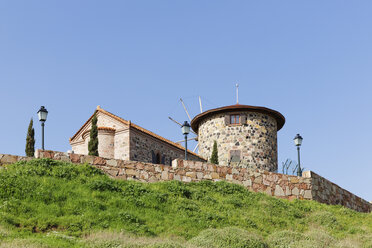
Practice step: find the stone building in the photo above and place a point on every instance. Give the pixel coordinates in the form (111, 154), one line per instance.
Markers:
(246, 136)
(122, 139)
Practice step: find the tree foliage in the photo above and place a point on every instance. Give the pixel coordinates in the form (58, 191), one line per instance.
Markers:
(30, 140)
(93, 142)
(214, 156)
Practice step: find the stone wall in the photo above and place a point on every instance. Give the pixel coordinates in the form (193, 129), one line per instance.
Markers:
(310, 186)
(325, 191)
(254, 141)
(146, 148)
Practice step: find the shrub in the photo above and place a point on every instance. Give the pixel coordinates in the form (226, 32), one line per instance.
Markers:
(93, 142)
(30, 140)
(214, 156)
(291, 239)
(231, 237)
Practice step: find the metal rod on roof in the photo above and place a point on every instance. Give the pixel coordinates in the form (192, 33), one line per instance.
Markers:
(183, 104)
(237, 93)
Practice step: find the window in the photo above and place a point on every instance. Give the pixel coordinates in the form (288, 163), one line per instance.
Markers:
(235, 156)
(158, 158)
(234, 119)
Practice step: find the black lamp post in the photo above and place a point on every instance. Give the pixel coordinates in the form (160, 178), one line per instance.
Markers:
(42, 114)
(185, 130)
(298, 141)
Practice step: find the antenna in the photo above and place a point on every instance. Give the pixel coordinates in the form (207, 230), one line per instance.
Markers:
(237, 93)
(201, 109)
(183, 104)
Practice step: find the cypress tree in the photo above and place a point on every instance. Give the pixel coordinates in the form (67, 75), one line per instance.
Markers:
(214, 157)
(30, 140)
(93, 142)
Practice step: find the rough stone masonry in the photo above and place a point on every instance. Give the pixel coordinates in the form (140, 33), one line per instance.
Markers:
(310, 186)
(246, 135)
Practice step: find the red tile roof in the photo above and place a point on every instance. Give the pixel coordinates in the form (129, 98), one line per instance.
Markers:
(132, 125)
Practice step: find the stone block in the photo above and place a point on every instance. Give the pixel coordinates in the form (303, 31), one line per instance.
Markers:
(278, 191)
(294, 179)
(186, 179)
(229, 177)
(130, 172)
(247, 183)
(307, 194)
(207, 176)
(97, 160)
(8, 159)
(37, 153)
(198, 166)
(258, 180)
(215, 175)
(199, 175)
(295, 191)
(164, 175)
(191, 174)
(140, 166)
(74, 158)
(211, 167)
(287, 191)
(87, 159)
(268, 191)
(265, 181)
(24, 158)
(144, 175)
(112, 162)
(152, 179)
(112, 173)
(47, 154)
(130, 165)
(177, 177)
(306, 174)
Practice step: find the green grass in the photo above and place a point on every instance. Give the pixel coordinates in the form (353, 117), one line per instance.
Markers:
(47, 203)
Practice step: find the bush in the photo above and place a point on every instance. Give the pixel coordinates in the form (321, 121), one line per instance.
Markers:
(291, 239)
(231, 237)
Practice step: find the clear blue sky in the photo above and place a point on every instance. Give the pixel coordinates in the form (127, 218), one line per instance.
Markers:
(310, 60)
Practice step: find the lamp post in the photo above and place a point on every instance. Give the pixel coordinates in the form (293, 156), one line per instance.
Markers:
(185, 130)
(298, 141)
(42, 114)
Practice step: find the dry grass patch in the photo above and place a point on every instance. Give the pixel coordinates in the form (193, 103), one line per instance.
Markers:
(125, 240)
(22, 243)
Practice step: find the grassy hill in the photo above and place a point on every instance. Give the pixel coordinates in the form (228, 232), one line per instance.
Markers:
(47, 203)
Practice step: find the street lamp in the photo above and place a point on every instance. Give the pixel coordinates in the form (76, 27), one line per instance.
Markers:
(42, 114)
(185, 130)
(298, 141)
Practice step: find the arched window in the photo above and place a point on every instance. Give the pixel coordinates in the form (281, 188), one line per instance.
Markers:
(158, 158)
(153, 157)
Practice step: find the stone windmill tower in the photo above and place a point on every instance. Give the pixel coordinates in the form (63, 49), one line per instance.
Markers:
(246, 135)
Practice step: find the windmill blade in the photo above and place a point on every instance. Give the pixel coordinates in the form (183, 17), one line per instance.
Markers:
(170, 118)
(196, 147)
(183, 104)
(187, 140)
(200, 103)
